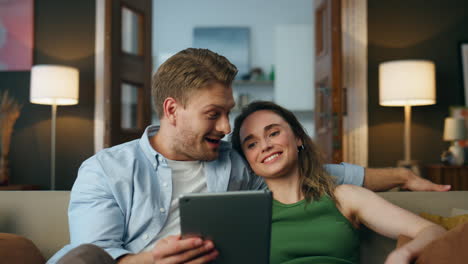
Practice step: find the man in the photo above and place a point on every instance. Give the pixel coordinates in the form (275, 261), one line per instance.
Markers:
(124, 199)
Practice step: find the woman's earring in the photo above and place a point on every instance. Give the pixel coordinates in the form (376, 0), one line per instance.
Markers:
(299, 148)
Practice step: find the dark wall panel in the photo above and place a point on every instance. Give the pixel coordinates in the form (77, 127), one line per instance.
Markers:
(63, 34)
(415, 29)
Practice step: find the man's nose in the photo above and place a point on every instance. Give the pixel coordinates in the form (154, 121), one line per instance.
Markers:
(223, 125)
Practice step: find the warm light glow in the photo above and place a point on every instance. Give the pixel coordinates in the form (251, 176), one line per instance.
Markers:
(407, 82)
(454, 129)
(53, 84)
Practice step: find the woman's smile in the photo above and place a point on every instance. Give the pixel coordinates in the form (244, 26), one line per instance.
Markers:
(272, 158)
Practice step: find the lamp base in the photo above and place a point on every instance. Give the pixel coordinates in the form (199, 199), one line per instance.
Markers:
(458, 154)
(413, 165)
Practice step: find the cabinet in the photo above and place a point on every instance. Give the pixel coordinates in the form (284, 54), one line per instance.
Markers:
(457, 176)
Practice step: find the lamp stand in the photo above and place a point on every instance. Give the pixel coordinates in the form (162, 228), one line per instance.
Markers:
(52, 147)
(407, 141)
(407, 162)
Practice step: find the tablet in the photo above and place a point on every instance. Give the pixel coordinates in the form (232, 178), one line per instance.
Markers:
(239, 223)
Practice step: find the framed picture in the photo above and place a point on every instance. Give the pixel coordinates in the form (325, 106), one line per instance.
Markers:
(464, 63)
(16, 35)
(230, 42)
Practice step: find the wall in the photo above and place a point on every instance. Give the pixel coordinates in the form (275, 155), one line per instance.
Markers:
(63, 34)
(174, 20)
(407, 30)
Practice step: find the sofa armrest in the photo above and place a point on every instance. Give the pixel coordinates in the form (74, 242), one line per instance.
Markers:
(19, 250)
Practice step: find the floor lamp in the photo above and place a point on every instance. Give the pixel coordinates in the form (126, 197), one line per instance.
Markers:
(407, 83)
(54, 85)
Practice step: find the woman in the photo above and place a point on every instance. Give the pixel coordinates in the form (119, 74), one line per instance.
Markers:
(313, 221)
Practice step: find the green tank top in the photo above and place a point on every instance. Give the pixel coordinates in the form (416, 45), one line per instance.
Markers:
(312, 233)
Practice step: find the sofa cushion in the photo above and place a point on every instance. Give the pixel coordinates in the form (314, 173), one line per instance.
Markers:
(458, 211)
(41, 216)
(451, 248)
(19, 250)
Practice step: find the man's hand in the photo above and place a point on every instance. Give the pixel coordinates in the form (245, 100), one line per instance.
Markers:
(174, 249)
(385, 179)
(416, 183)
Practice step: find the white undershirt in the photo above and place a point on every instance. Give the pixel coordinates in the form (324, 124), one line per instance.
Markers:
(187, 177)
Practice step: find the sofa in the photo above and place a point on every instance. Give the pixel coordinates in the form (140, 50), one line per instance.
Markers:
(41, 216)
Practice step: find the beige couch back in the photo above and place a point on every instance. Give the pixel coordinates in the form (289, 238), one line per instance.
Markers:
(40, 216)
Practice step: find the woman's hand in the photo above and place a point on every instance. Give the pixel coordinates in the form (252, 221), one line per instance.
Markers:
(399, 256)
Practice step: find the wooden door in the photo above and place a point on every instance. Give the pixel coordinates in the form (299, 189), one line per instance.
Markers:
(127, 70)
(328, 80)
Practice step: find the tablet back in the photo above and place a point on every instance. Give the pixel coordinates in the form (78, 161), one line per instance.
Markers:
(239, 223)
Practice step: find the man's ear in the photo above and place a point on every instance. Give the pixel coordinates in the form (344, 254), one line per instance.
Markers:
(170, 110)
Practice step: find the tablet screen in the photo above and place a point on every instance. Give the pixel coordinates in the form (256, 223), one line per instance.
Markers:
(238, 223)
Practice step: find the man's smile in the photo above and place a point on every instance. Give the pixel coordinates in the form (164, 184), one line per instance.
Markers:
(213, 141)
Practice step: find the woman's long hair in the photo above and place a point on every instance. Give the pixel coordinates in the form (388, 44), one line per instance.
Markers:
(314, 180)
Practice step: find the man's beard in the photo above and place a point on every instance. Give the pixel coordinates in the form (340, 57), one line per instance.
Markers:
(189, 145)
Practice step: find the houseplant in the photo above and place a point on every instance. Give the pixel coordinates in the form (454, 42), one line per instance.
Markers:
(9, 112)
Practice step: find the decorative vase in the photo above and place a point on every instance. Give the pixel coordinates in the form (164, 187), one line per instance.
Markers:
(458, 154)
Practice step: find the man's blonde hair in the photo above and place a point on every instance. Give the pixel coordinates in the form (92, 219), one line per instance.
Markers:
(187, 71)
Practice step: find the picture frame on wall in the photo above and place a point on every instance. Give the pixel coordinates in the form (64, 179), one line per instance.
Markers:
(16, 35)
(464, 65)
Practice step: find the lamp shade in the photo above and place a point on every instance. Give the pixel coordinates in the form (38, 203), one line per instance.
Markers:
(407, 82)
(454, 129)
(54, 84)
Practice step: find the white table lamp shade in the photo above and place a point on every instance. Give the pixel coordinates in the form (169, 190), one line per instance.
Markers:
(53, 84)
(454, 129)
(407, 82)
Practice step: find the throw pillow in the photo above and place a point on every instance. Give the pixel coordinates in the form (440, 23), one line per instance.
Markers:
(19, 250)
(451, 248)
(447, 222)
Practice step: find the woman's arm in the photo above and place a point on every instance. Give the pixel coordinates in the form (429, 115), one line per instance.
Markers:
(387, 219)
